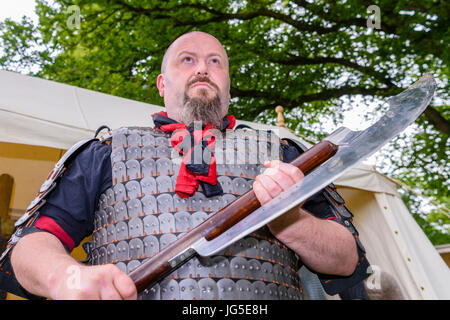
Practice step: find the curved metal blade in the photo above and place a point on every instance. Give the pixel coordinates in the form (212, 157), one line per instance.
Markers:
(353, 147)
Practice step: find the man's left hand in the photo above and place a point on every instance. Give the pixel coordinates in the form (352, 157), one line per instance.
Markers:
(278, 177)
(324, 246)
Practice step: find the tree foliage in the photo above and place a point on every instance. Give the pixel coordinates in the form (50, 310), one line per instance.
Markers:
(311, 57)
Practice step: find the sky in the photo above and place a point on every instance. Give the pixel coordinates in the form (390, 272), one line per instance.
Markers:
(15, 9)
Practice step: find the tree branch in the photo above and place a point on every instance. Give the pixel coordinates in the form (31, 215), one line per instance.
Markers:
(294, 60)
(326, 94)
(360, 22)
(437, 120)
(219, 16)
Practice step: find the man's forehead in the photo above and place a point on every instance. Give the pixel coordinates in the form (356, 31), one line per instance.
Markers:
(195, 42)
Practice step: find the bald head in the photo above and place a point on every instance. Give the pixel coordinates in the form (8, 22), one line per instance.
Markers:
(194, 79)
(188, 36)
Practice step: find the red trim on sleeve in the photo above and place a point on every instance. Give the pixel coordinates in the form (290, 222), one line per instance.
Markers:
(48, 224)
(330, 218)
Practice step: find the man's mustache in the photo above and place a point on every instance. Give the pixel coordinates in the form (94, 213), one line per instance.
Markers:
(202, 79)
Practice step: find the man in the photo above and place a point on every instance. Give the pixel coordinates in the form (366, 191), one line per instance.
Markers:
(195, 85)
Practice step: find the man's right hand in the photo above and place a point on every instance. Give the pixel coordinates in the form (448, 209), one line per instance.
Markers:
(43, 267)
(80, 282)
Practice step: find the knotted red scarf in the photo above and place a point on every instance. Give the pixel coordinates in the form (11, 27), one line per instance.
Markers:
(190, 142)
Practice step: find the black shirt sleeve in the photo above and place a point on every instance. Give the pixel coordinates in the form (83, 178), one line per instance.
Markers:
(72, 204)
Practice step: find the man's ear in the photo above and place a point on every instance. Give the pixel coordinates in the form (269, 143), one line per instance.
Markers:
(160, 84)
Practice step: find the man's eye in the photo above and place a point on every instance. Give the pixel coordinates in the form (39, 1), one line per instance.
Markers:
(188, 59)
(215, 61)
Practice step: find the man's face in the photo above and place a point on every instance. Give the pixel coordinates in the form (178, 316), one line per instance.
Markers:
(195, 76)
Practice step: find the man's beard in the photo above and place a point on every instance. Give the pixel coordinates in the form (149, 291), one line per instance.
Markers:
(202, 109)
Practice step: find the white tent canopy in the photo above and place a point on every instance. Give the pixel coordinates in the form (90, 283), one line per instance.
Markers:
(39, 112)
(46, 113)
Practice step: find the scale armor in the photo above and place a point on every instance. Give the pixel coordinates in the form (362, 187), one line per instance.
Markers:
(141, 214)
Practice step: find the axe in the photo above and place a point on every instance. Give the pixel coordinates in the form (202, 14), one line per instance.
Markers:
(321, 164)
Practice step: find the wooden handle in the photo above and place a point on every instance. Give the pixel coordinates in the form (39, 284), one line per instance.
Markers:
(315, 156)
(247, 203)
(155, 268)
(149, 272)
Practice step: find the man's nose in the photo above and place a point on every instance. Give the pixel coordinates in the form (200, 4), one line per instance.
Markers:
(202, 68)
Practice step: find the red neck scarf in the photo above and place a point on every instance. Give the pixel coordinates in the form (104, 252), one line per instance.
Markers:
(193, 144)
